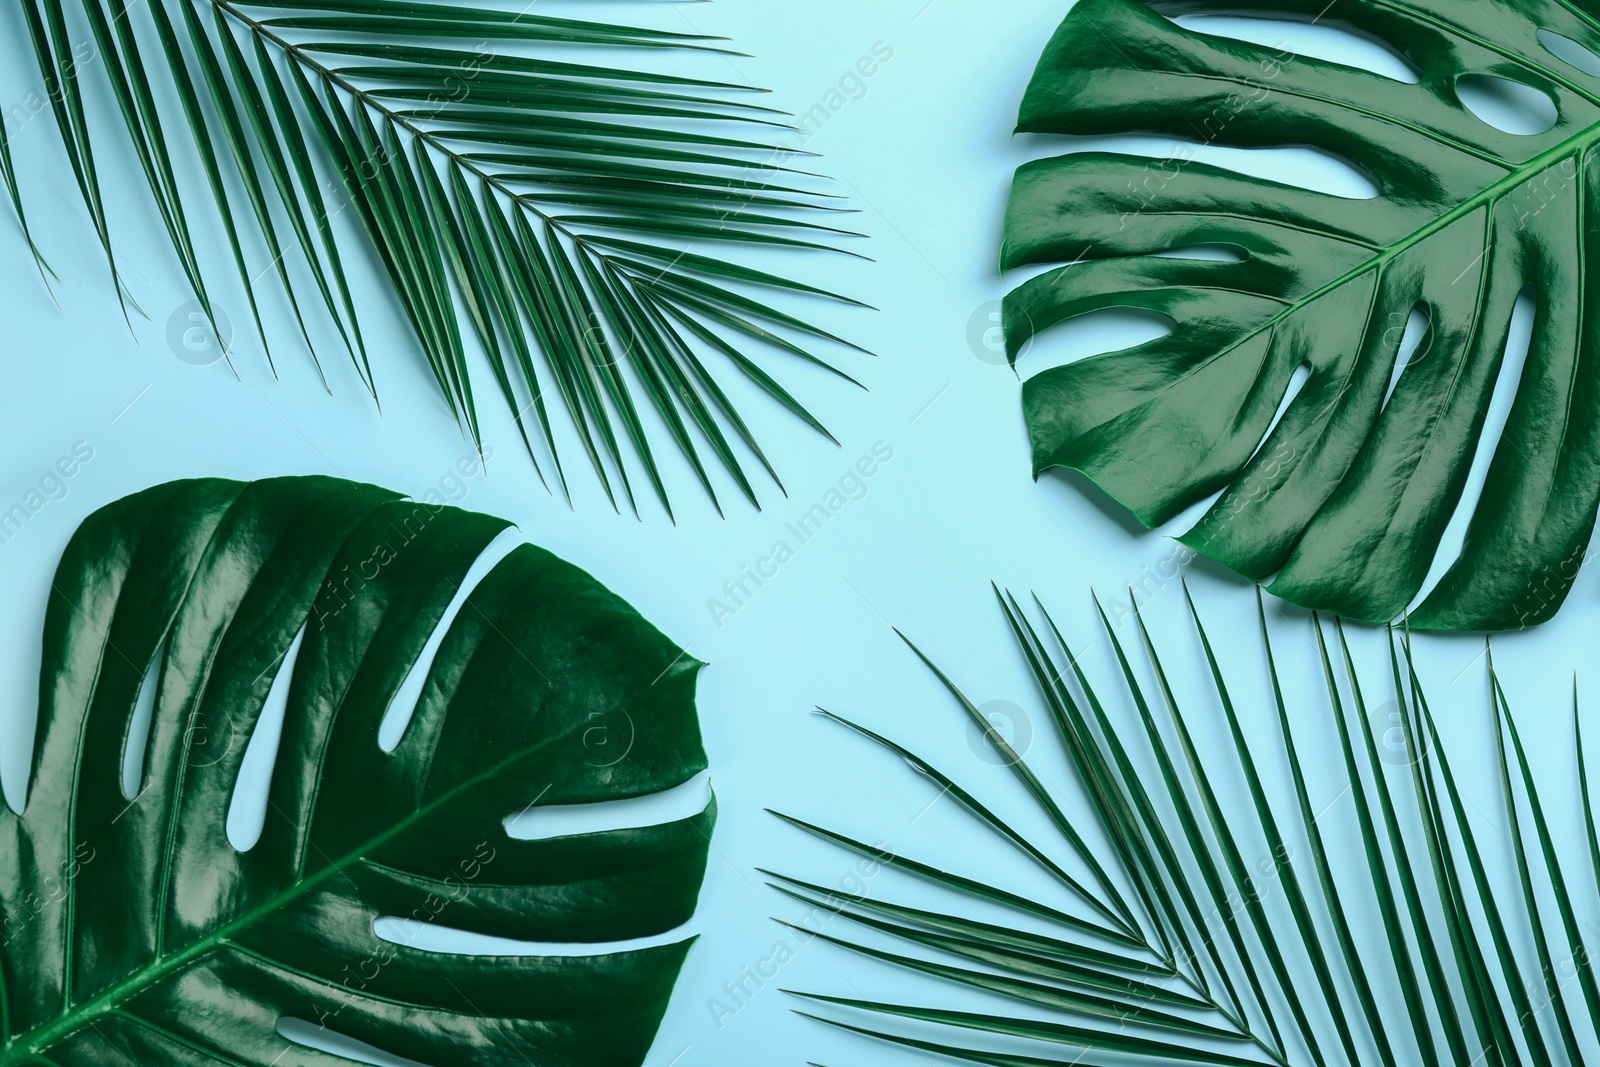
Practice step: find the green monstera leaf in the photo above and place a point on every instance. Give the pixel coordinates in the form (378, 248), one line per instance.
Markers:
(135, 932)
(1347, 498)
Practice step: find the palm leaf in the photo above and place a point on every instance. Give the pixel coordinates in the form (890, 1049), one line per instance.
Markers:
(1274, 968)
(1347, 496)
(565, 210)
(135, 931)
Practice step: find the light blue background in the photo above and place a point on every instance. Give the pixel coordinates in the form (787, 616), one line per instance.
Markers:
(926, 154)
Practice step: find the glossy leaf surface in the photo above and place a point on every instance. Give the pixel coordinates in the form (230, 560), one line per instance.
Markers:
(1346, 499)
(134, 931)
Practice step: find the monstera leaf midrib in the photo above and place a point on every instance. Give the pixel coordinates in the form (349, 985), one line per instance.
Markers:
(170, 963)
(1540, 163)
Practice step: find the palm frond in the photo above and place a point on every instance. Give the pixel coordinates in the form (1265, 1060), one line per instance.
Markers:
(565, 210)
(1182, 945)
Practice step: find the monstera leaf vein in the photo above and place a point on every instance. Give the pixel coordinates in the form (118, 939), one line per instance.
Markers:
(43, 1038)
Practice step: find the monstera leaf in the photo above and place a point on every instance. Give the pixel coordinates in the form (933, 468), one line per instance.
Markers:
(1310, 895)
(134, 932)
(1347, 498)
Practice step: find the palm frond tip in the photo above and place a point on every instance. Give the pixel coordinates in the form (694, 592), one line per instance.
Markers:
(1255, 938)
(562, 208)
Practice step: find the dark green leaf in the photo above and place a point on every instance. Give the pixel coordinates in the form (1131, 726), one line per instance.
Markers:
(134, 922)
(1347, 497)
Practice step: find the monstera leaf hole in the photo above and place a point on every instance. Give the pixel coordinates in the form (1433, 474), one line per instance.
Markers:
(1414, 347)
(247, 810)
(138, 739)
(320, 1038)
(1315, 169)
(1411, 346)
(1415, 336)
(1210, 253)
(1507, 105)
(1336, 44)
(545, 821)
(1569, 51)
(1297, 382)
(405, 699)
(1106, 330)
(432, 937)
(1519, 339)
(1192, 516)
